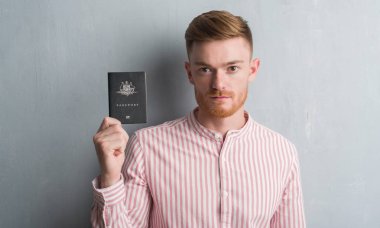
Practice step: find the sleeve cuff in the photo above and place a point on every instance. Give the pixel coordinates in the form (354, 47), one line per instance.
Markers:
(111, 195)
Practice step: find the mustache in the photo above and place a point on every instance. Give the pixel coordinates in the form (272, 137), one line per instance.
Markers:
(215, 92)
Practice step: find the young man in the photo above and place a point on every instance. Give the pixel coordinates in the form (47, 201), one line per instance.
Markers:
(216, 167)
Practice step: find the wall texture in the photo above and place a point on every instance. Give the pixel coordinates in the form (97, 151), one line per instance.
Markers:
(319, 85)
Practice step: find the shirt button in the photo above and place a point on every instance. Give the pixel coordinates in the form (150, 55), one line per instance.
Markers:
(224, 194)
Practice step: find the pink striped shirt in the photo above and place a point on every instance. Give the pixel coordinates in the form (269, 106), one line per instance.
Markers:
(181, 174)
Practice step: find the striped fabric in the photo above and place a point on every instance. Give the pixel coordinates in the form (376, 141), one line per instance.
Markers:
(180, 174)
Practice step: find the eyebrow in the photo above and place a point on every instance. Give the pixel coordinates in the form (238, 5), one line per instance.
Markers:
(200, 63)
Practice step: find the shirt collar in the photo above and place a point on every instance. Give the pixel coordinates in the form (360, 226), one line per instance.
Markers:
(202, 130)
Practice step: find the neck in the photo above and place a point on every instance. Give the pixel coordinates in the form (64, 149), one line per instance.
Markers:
(222, 125)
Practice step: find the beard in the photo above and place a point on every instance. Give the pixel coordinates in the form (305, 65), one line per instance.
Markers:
(216, 109)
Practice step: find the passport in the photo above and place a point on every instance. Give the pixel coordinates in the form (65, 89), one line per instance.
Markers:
(127, 96)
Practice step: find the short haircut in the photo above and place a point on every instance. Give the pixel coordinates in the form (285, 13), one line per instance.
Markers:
(217, 25)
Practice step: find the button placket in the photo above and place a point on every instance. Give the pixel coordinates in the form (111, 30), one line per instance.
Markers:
(224, 193)
(218, 137)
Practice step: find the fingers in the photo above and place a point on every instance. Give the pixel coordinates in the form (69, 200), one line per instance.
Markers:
(111, 139)
(111, 143)
(112, 129)
(107, 122)
(116, 146)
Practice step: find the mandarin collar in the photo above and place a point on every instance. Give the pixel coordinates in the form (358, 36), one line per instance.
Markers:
(214, 135)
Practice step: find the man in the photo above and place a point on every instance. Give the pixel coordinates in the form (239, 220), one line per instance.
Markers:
(216, 167)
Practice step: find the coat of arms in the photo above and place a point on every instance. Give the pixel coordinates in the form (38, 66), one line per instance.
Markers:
(127, 88)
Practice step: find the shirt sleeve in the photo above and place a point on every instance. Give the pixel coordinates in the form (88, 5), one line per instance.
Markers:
(290, 213)
(126, 203)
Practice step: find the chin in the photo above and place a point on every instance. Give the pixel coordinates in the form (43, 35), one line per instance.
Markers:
(221, 112)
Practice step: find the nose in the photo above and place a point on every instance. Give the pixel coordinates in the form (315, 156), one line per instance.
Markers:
(218, 80)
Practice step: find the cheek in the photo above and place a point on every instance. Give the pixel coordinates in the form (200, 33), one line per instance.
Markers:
(241, 88)
(199, 90)
(200, 85)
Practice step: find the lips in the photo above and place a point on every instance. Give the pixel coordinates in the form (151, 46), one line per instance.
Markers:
(218, 93)
(219, 97)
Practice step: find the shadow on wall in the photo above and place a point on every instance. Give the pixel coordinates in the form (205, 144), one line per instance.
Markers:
(170, 95)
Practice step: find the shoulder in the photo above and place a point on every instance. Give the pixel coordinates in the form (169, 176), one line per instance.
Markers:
(274, 139)
(168, 126)
(152, 139)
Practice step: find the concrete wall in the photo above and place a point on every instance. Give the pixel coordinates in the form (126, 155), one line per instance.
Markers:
(319, 85)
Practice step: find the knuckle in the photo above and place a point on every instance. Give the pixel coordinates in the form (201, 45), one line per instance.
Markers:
(114, 127)
(95, 138)
(125, 140)
(118, 128)
(122, 139)
(103, 145)
(120, 136)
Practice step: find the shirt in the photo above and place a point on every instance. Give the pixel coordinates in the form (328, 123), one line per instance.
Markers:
(181, 174)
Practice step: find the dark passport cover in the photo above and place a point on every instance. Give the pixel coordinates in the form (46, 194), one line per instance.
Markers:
(127, 96)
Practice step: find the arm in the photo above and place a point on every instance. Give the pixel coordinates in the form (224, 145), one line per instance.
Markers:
(290, 213)
(127, 202)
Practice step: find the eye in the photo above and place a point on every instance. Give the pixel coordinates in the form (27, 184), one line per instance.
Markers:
(204, 69)
(233, 68)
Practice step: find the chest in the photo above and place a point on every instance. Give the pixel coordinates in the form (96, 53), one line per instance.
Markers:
(211, 181)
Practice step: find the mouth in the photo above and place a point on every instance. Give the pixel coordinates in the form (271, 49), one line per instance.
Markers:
(219, 97)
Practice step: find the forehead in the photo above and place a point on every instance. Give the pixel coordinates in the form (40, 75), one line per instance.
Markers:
(220, 51)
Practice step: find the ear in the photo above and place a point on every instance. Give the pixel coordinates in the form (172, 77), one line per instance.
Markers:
(188, 72)
(253, 68)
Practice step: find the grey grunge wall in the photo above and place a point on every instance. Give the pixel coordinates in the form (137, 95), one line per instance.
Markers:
(318, 85)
